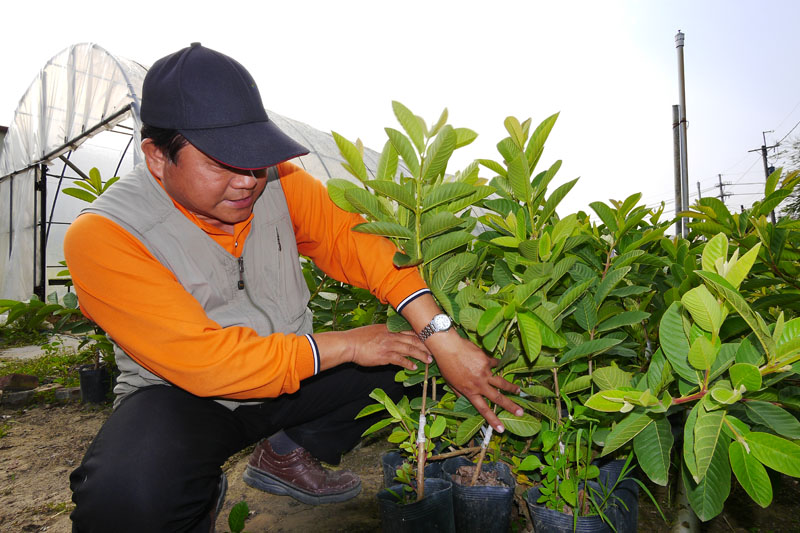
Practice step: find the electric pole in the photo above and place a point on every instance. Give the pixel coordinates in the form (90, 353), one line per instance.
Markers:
(767, 172)
(684, 158)
(722, 193)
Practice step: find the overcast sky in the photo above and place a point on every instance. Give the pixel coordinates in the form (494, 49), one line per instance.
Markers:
(609, 67)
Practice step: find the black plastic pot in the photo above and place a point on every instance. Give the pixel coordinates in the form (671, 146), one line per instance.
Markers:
(610, 469)
(482, 508)
(391, 461)
(95, 383)
(622, 511)
(434, 513)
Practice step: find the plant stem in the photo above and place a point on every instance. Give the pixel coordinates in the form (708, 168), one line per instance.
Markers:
(558, 396)
(484, 446)
(421, 441)
(456, 453)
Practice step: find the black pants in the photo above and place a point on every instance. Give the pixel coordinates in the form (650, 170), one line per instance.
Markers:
(156, 462)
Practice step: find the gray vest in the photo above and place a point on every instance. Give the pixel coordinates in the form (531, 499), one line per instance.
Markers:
(264, 289)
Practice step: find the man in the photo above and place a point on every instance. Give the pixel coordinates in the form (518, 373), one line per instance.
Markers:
(190, 263)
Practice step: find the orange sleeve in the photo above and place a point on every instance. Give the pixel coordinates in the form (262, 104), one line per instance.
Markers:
(143, 307)
(323, 233)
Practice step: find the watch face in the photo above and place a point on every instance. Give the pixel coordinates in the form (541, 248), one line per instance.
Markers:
(441, 322)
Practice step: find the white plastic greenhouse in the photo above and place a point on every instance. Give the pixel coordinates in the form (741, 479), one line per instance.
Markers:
(82, 111)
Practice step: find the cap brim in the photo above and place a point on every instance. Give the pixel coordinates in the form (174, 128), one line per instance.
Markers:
(247, 146)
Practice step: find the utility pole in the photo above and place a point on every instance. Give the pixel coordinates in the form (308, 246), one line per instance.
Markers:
(682, 128)
(722, 193)
(676, 164)
(699, 194)
(763, 151)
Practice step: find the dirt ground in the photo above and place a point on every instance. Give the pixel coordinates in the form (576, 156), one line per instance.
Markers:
(41, 445)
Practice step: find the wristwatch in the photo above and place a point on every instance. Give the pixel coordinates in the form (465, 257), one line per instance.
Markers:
(438, 323)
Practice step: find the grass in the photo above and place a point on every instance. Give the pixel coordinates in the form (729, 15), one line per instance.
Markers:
(57, 365)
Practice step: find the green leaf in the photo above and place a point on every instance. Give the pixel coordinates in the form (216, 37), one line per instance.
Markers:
(336, 191)
(366, 203)
(514, 130)
(393, 191)
(538, 391)
(452, 271)
(751, 474)
(438, 154)
(706, 434)
(406, 151)
(385, 229)
(775, 452)
(572, 294)
(703, 353)
(519, 178)
(608, 283)
(467, 429)
(352, 155)
(714, 249)
(689, 458)
(606, 215)
(739, 271)
(410, 124)
(589, 348)
(538, 138)
(531, 462)
(437, 427)
(578, 384)
(625, 430)
(237, 517)
(79, 194)
(626, 318)
(707, 498)
(741, 306)
(438, 223)
(745, 374)
(493, 166)
(464, 136)
(530, 334)
(443, 244)
(674, 343)
(653, 446)
(522, 426)
(446, 192)
(611, 377)
(773, 417)
(387, 163)
(586, 313)
(489, 320)
(704, 308)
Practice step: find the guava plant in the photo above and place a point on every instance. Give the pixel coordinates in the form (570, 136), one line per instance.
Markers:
(735, 419)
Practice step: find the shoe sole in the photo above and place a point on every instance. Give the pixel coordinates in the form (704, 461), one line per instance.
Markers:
(261, 480)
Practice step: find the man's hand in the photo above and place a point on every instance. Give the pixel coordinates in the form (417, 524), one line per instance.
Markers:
(371, 346)
(468, 371)
(463, 365)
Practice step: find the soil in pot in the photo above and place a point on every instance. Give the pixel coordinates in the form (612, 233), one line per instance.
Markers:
(434, 513)
(486, 506)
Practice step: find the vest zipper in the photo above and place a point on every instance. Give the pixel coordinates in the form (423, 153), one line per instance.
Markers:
(278, 236)
(241, 273)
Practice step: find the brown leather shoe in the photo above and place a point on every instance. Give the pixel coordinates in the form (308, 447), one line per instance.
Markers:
(299, 475)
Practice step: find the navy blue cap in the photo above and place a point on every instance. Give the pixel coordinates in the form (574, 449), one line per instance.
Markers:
(213, 101)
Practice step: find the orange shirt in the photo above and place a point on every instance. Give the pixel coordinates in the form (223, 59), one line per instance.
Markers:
(148, 313)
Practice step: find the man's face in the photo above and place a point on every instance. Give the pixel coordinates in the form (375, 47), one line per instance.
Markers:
(217, 194)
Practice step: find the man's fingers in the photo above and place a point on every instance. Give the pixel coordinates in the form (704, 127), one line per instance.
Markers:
(502, 383)
(484, 410)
